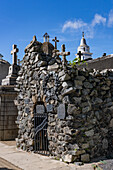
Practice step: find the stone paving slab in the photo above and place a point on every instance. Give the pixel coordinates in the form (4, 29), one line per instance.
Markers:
(31, 161)
(5, 165)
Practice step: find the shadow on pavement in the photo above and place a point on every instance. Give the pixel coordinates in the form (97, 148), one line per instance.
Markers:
(5, 169)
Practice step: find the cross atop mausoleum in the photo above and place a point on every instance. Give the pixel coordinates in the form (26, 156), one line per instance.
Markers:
(55, 40)
(34, 38)
(104, 54)
(79, 54)
(46, 37)
(63, 54)
(14, 53)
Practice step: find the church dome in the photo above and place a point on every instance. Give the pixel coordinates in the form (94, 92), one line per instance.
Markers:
(47, 48)
(83, 42)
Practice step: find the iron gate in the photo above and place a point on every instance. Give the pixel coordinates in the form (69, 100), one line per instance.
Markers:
(40, 139)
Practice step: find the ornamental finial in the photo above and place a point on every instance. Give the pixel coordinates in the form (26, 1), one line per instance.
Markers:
(83, 34)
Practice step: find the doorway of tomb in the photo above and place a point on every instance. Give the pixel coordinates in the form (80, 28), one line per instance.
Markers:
(40, 126)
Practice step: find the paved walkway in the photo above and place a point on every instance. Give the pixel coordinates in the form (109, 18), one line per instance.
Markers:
(5, 165)
(31, 161)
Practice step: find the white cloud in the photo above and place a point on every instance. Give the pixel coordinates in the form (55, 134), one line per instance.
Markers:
(80, 25)
(89, 31)
(73, 25)
(110, 19)
(98, 19)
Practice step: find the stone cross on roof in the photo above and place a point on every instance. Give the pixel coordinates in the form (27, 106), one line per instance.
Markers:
(46, 37)
(14, 53)
(63, 54)
(34, 38)
(104, 54)
(55, 40)
(79, 54)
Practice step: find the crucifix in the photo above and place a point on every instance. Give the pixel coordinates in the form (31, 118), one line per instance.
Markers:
(63, 54)
(55, 40)
(46, 37)
(14, 53)
(79, 54)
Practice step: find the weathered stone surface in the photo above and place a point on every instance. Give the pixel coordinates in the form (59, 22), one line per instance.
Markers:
(49, 108)
(40, 109)
(34, 99)
(81, 78)
(68, 91)
(88, 85)
(61, 112)
(27, 110)
(66, 84)
(26, 100)
(79, 152)
(37, 58)
(72, 109)
(86, 109)
(85, 145)
(65, 77)
(105, 88)
(89, 133)
(61, 73)
(53, 67)
(68, 158)
(97, 101)
(85, 158)
(77, 100)
(52, 61)
(111, 123)
(105, 144)
(78, 84)
(42, 63)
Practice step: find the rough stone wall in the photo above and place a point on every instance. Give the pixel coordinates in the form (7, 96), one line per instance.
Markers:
(79, 105)
(8, 113)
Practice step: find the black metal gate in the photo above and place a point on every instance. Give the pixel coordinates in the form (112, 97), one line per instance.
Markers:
(40, 138)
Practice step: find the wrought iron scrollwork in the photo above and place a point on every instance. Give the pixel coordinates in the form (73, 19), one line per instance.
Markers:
(41, 126)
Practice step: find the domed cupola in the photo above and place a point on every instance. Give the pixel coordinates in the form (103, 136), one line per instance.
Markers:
(47, 46)
(83, 51)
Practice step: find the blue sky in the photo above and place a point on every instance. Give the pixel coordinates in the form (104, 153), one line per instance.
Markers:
(66, 19)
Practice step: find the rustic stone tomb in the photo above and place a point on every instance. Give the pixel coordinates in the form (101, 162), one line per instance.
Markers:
(63, 110)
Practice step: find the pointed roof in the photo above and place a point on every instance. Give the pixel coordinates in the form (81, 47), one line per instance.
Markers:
(83, 40)
(84, 49)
